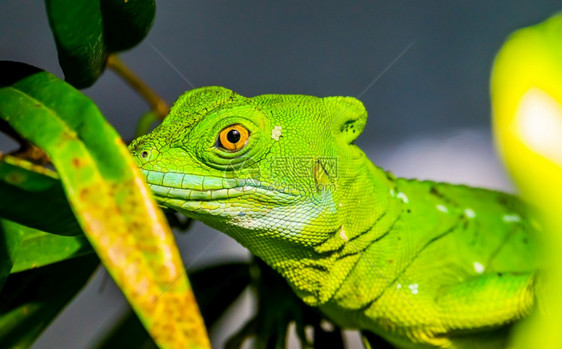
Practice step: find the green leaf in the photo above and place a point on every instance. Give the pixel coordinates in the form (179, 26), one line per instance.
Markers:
(109, 198)
(126, 23)
(78, 30)
(26, 188)
(10, 242)
(87, 31)
(526, 91)
(30, 300)
(38, 248)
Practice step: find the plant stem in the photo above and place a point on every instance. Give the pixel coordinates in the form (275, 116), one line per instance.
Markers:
(27, 150)
(157, 103)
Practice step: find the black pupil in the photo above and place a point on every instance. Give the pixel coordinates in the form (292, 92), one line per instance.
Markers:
(233, 136)
(144, 154)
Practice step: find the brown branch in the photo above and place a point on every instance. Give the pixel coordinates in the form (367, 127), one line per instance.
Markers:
(27, 150)
(157, 103)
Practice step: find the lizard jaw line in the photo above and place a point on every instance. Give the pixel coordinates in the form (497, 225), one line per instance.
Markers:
(165, 192)
(185, 187)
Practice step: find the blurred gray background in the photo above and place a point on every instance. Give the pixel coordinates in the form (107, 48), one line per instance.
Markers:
(429, 111)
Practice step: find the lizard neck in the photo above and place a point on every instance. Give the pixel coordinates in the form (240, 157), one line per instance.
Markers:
(366, 208)
(365, 198)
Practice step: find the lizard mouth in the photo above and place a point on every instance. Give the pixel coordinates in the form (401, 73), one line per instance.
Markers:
(174, 186)
(189, 187)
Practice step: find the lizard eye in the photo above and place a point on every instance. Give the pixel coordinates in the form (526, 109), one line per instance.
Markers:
(233, 137)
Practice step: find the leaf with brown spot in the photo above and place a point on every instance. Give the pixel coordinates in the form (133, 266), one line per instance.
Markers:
(108, 197)
(208, 285)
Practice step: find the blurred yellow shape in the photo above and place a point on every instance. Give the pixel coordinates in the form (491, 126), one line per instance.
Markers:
(526, 89)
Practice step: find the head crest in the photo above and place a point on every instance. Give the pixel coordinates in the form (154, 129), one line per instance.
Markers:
(349, 116)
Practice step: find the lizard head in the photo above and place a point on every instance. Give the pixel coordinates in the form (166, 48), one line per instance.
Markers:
(270, 165)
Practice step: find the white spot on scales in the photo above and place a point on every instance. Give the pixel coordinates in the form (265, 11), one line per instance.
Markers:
(402, 197)
(511, 218)
(469, 213)
(478, 268)
(442, 208)
(276, 133)
(413, 288)
(342, 234)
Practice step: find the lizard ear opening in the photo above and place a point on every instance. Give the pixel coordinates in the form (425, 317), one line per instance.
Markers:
(349, 116)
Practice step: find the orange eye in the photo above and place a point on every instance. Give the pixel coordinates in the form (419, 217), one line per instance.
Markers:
(233, 137)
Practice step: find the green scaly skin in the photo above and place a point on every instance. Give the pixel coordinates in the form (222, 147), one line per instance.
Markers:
(421, 264)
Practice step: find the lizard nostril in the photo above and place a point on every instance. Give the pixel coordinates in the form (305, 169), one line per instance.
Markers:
(144, 154)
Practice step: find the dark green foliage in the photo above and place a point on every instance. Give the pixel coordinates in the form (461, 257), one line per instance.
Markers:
(87, 31)
(31, 299)
(126, 23)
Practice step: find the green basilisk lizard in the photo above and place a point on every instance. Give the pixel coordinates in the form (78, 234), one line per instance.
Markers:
(419, 263)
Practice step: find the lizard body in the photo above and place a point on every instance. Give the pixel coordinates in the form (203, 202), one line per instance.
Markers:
(419, 263)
